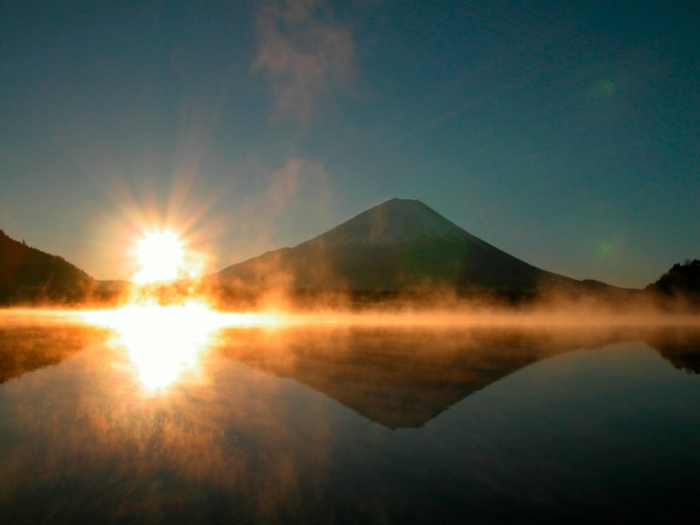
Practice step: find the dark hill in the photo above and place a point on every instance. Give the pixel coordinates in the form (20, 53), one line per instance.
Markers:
(682, 281)
(28, 275)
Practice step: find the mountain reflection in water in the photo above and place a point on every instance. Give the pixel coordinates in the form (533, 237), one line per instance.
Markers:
(401, 378)
(562, 439)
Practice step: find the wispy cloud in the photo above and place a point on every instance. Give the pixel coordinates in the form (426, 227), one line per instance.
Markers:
(307, 56)
(294, 205)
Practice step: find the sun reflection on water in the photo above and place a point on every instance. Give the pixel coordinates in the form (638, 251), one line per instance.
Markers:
(163, 342)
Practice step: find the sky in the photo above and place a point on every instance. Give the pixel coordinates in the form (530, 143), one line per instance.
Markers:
(565, 135)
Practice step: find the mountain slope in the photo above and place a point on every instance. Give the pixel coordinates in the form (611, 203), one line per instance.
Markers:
(30, 275)
(401, 244)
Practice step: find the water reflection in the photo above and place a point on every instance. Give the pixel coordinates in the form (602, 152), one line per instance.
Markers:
(30, 342)
(80, 445)
(680, 346)
(265, 435)
(165, 342)
(403, 378)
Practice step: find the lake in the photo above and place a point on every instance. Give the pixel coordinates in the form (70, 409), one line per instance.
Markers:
(168, 416)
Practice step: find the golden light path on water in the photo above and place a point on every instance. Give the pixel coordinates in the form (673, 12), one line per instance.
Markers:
(163, 342)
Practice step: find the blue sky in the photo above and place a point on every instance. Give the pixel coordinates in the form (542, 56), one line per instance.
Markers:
(568, 136)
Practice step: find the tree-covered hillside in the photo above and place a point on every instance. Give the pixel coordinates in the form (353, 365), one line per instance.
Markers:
(28, 275)
(682, 281)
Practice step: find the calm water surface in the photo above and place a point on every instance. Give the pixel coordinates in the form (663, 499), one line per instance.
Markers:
(141, 419)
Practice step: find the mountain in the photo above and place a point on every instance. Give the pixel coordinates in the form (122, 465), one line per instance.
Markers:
(401, 244)
(30, 275)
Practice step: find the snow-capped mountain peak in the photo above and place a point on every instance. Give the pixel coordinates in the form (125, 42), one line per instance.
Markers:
(395, 221)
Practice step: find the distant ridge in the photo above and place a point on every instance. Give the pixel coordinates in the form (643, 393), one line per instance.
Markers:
(401, 244)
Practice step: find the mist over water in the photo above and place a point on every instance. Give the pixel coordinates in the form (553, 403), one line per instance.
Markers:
(126, 417)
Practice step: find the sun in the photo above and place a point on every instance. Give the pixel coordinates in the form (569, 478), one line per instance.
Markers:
(160, 255)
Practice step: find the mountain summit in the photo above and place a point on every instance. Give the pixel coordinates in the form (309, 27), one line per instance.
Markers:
(401, 244)
(397, 221)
